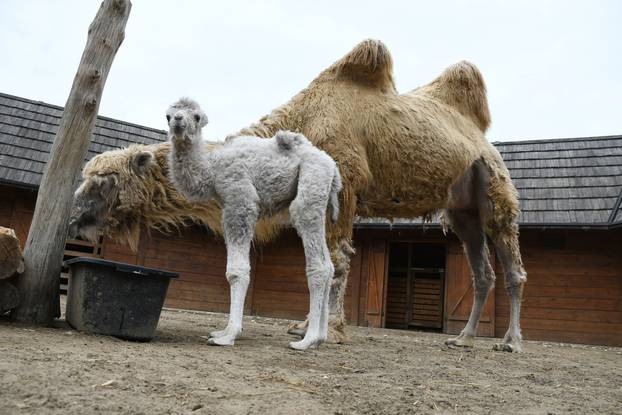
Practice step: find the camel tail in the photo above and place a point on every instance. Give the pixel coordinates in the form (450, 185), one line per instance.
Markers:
(287, 140)
(333, 197)
(462, 87)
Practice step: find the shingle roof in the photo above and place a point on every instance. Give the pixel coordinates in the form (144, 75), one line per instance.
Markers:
(573, 182)
(27, 130)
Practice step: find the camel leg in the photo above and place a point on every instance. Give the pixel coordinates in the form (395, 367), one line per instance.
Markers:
(319, 269)
(239, 225)
(467, 225)
(515, 278)
(337, 321)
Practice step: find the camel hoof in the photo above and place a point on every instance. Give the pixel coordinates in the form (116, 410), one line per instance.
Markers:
(507, 347)
(296, 331)
(336, 336)
(461, 342)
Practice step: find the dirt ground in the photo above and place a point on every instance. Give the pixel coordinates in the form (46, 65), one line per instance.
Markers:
(59, 370)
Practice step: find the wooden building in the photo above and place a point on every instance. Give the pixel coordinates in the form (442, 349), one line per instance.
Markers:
(405, 275)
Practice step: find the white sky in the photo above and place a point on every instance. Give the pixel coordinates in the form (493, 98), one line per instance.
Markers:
(553, 68)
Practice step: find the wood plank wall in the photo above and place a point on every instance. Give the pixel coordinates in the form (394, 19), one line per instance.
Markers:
(574, 287)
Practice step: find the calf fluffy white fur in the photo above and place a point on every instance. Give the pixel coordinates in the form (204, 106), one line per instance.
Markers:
(251, 177)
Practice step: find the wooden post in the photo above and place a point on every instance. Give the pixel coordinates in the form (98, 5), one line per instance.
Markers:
(39, 285)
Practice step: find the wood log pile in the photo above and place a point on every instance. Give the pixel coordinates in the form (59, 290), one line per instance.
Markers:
(11, 264)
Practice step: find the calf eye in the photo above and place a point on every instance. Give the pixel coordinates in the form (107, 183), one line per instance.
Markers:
(168, 117)
(197, 117)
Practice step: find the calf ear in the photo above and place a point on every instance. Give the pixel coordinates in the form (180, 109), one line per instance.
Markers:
(203, 119)
(141, 161)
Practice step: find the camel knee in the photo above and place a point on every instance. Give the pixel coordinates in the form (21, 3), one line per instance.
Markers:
(483, 286)
(484, 281)
(321, 271)
(514, 283)
(319, 275)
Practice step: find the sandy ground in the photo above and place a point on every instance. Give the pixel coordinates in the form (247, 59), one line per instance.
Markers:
(58, 370)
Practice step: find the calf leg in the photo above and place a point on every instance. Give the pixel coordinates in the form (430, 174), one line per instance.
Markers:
(239, 225)
(319, 273)
(308, 215)
(467, 225)
(341, 253)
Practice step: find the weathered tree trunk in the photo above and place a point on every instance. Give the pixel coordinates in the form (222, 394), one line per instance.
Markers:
(39, 285)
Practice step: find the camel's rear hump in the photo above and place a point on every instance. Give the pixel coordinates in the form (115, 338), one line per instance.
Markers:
(462, 86)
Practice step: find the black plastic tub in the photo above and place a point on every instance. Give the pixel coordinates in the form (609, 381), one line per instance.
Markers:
(114, 298)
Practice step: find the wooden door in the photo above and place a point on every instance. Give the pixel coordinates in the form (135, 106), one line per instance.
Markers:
(376, 283)
(459, 295)
(426, 298)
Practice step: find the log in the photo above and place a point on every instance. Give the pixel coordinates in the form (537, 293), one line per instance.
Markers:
(11, 260)
(39, 285)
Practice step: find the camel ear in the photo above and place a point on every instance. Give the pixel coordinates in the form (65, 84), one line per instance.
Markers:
(141, 162)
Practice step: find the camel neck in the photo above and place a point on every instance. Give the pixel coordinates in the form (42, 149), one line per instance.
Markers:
(192, 169)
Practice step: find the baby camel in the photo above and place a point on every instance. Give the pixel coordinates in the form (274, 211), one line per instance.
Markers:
(252, 177)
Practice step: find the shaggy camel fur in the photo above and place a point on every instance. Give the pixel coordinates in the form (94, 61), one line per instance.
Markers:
(251, 177)
(400, 155)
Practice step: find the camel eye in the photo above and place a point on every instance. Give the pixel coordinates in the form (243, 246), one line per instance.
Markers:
(197, 117)
(168, 117)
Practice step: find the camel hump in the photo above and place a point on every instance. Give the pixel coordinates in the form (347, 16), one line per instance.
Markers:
(462, 86)
(287, 140)
(368, 63)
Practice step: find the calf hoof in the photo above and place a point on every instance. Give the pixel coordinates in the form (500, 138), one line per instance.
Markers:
(221, 341)
(305, 344)
(461, 341)
(217, 333)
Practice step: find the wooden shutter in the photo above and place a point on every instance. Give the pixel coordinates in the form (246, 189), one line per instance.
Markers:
(459, 295)
(376, 283)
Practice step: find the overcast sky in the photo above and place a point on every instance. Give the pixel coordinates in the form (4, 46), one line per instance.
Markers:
(553, 68)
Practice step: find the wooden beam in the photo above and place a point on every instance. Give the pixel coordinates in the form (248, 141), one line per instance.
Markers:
(39, 285)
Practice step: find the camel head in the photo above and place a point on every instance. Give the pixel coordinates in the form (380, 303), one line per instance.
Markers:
(109, 191)
(126, 189)
(185, 120)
